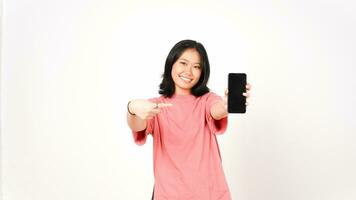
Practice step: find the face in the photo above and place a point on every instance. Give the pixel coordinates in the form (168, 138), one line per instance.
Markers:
(186, 71)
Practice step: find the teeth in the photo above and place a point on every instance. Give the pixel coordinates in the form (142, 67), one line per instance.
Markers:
(186, 79)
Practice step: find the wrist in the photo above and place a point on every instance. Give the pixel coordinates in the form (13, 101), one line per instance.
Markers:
(128, 108)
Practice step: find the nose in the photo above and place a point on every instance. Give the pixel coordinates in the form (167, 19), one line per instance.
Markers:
(188, 69)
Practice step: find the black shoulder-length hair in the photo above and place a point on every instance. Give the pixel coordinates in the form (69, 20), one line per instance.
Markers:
(167, 86)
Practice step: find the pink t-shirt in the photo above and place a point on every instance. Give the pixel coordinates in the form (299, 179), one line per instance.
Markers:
(187, 161)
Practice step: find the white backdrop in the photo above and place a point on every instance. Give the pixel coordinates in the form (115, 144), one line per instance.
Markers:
(69, 67)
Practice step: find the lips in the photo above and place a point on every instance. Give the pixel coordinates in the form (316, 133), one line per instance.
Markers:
(185, 79)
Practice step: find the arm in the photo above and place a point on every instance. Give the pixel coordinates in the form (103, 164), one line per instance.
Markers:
(136, 123)
(219, 109)
(139, 110)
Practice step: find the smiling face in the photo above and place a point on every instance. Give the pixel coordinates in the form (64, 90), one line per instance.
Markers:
(186, 71)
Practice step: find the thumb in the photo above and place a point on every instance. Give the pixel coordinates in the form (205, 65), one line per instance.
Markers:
(225, 96)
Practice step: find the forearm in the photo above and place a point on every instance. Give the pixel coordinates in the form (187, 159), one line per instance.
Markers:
(136, 123)
(219, 110)
(140, 110)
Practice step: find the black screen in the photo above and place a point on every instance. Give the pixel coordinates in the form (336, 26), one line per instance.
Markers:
(236, 102)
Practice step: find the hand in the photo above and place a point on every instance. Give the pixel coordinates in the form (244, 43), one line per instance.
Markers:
(246, 94)
(145, 109)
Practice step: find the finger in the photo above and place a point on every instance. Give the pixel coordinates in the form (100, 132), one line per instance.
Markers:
(248, 86)
(154, 105)
(152, 114)
(163, 105)
(246, 94)
(155, 111)
(225, 95)
(144, 117)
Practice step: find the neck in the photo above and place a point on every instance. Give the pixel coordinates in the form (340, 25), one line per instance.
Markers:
(180, 91)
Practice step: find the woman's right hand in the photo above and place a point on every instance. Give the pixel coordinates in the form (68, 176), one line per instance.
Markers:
(145, 109)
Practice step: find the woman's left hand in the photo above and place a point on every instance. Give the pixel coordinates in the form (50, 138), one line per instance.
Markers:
(247, 93)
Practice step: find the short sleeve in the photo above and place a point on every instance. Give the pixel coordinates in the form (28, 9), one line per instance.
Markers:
(215, 126)
(140, 137)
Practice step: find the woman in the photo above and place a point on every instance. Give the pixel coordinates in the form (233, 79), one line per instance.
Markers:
(184, 122)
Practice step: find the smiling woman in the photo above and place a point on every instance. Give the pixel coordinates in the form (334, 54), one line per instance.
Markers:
(184, 122)
(66, 78)
(187, 70)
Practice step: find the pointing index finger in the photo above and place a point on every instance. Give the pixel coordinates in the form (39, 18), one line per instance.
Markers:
(162, 105)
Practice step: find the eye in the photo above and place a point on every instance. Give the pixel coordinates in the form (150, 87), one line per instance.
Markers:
(183, 63)
(197, 67)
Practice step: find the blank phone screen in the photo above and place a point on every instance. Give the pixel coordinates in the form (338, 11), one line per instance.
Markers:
(236, 102)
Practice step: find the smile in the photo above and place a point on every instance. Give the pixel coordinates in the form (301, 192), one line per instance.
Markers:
(185, 79)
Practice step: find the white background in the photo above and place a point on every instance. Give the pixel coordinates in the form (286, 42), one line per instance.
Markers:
(69, 67)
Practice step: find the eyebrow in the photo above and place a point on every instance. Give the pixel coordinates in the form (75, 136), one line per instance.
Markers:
(188, 60)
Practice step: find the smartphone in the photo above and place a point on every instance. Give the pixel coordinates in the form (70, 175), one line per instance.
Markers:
(236, 102)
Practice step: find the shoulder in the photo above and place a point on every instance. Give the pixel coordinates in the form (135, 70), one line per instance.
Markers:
(210, 95)
(211, 98)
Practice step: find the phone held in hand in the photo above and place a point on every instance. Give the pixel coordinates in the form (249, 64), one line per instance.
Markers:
(236, 102)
